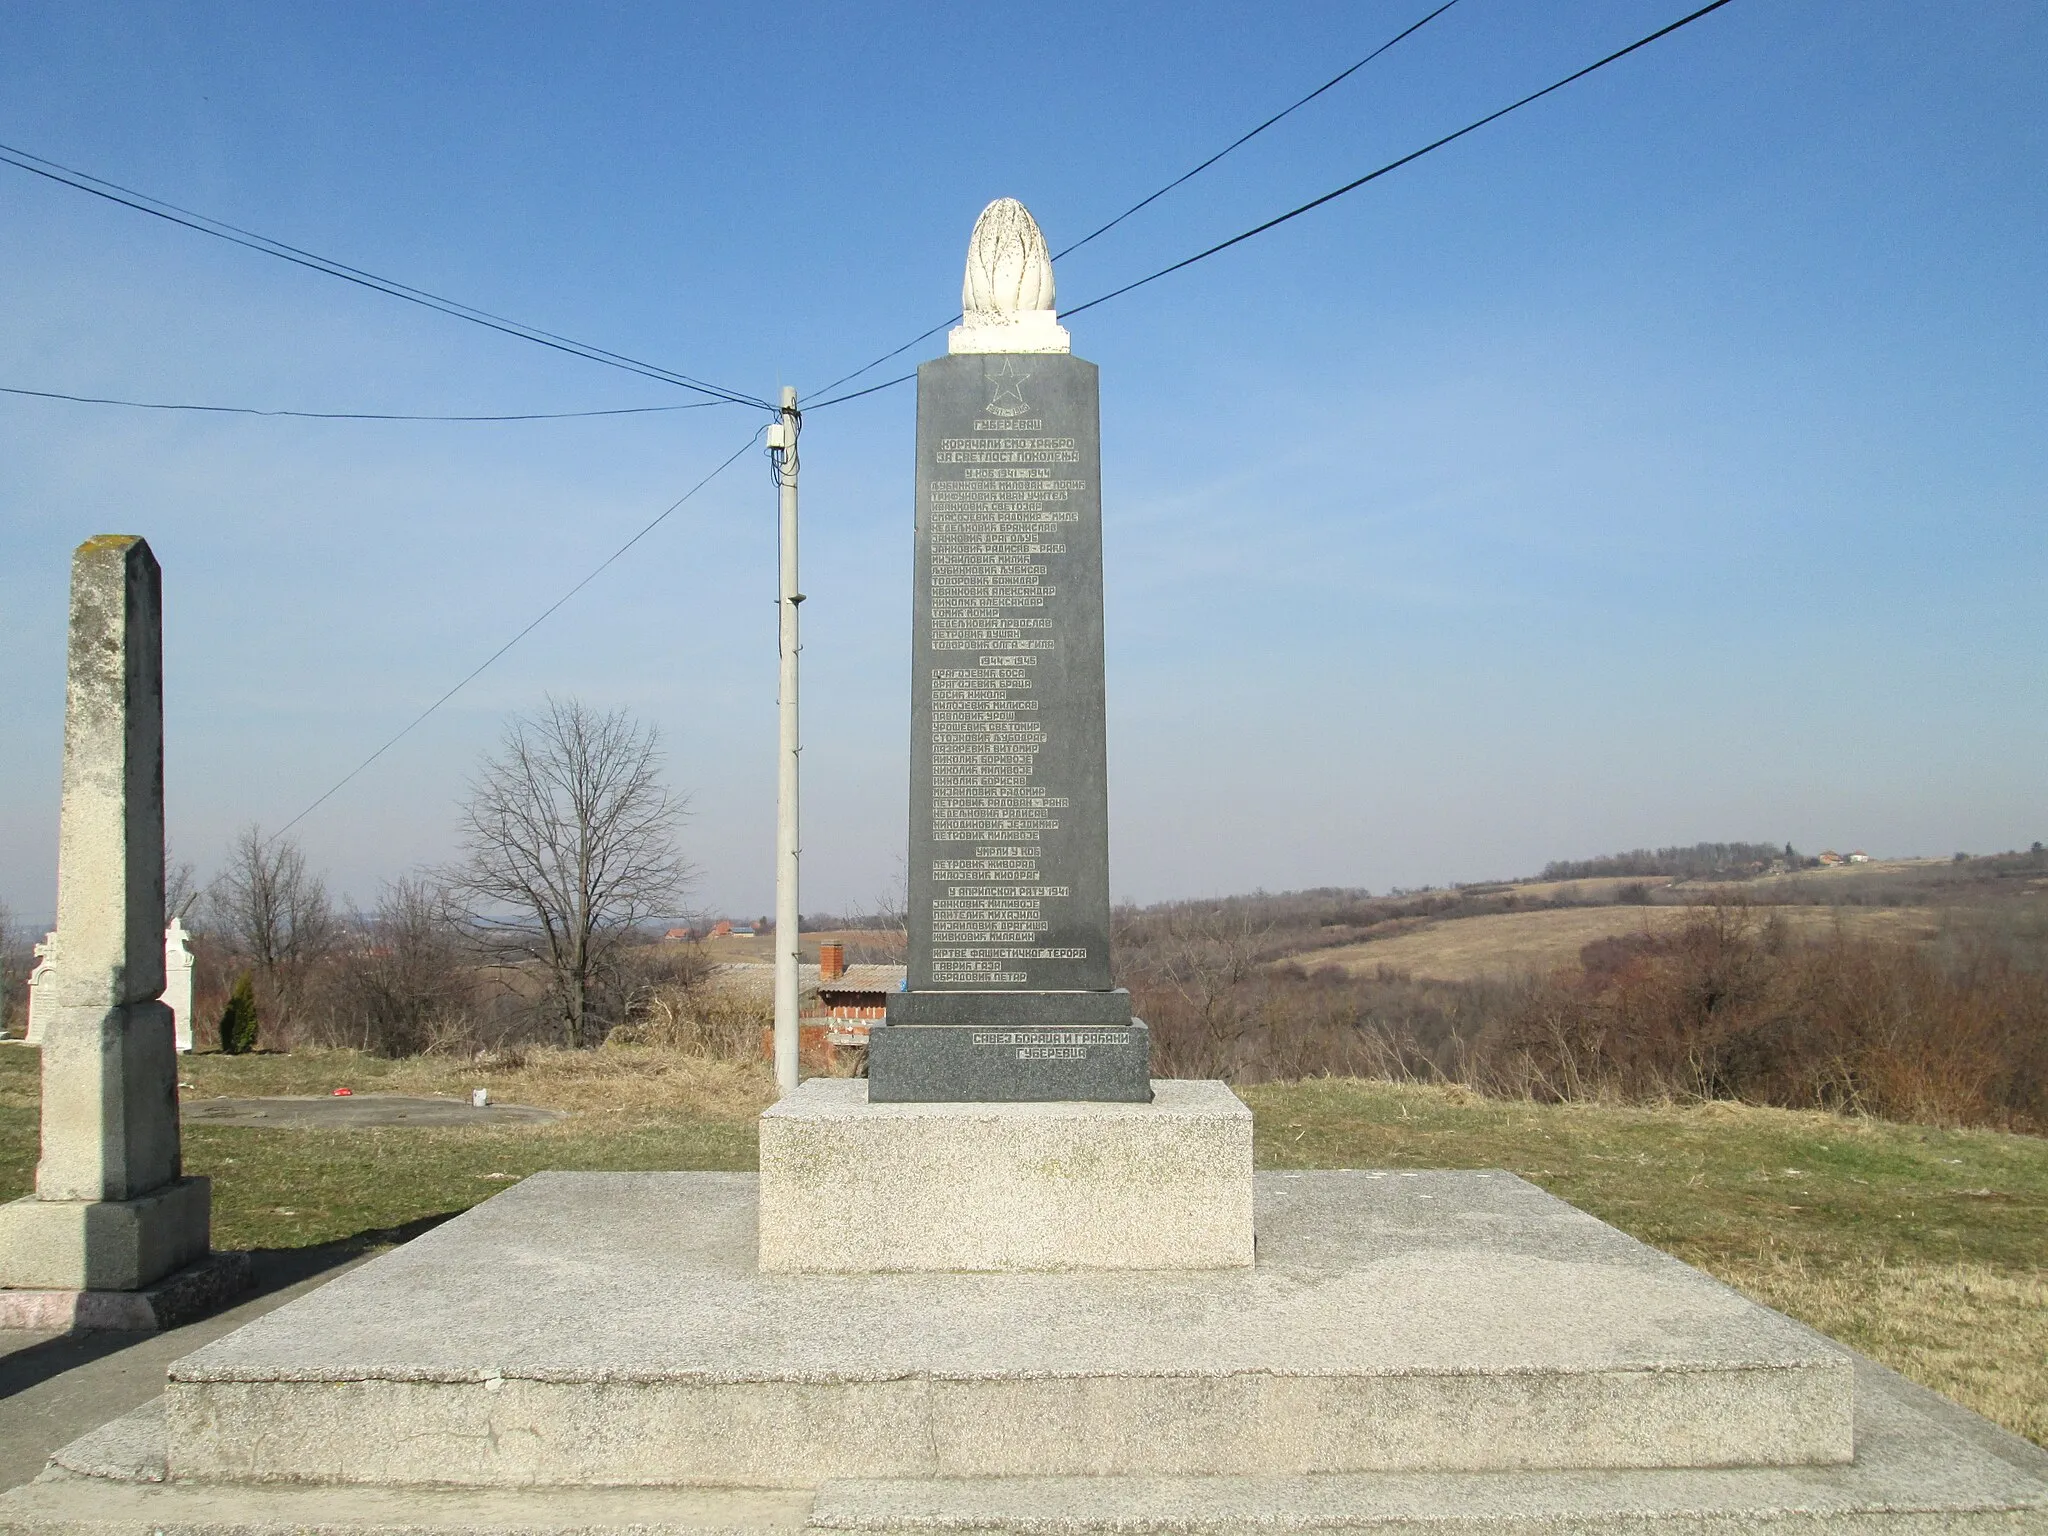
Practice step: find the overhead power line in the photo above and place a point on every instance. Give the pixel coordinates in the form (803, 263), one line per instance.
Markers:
(1246, 138)
(1349, 186)
(1153, 197)
(872, 389)
(538, 620)
(234, 234)
(250, 410)
(846, 378)
(1409, 158)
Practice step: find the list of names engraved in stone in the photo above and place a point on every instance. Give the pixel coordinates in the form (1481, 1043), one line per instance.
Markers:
(996, 511)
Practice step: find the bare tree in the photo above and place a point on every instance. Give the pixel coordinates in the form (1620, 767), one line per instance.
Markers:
(569, 839)
(883, 922)
(273, 912)
(181, 887)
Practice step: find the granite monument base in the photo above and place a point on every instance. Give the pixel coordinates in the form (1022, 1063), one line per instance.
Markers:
(104, 1245)
(854, 1187)
(180, 1297)
(1018, 1047)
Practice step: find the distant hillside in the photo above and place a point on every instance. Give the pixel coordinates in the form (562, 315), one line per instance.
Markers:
(1702, 861)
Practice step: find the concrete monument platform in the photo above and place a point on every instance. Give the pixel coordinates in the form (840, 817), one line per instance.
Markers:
(1923, 1466)
(855, 1187)
(614, 1329)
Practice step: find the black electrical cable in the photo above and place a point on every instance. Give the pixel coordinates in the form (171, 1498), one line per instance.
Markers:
(250, 410)
(1395, 165)
(898, 352)
(1150, 198)
(872, 389)
(478, 670)
(1244, 139)
(1350, 186)
(220, 229)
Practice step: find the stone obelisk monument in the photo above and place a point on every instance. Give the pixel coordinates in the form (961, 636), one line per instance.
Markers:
(112, 1213)
(1009, 993)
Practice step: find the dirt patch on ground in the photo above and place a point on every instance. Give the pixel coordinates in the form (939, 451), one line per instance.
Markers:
(360, 1111)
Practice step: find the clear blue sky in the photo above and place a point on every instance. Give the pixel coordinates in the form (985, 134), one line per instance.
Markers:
(1665, 462)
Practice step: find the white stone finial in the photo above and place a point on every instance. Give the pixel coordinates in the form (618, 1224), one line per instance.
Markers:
(1008, 266)
(1006, 301)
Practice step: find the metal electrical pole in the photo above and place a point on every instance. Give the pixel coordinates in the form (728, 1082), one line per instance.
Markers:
(782, 438)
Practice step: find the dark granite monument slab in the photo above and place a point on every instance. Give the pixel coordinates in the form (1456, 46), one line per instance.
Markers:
(1008, 994)
(952, 1063)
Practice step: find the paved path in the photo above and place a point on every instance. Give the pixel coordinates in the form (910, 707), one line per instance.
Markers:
(54, 1387)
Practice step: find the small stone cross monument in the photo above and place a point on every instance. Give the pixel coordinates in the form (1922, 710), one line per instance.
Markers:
(112, 1214)
(177, 993)
(1009, 994)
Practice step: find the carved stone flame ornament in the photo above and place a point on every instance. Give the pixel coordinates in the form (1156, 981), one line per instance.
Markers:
(1006, 301)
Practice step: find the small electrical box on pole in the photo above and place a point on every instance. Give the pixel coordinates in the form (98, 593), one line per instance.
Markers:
(782, 436)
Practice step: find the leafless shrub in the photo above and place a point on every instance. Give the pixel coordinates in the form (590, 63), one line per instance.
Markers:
(1725, 1006)
(404, 986)
(1204, 977)
(1728, 1007)
(1195, 964)
(690, 1012)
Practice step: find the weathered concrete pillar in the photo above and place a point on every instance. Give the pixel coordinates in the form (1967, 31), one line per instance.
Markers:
(111, 1211)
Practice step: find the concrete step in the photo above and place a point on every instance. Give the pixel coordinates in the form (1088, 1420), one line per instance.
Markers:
(1923, 1467)
(613, 1328)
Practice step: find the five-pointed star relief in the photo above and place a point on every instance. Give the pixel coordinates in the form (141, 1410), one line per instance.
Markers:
(1008, 379)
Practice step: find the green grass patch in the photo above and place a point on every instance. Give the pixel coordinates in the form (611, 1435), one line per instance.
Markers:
(1706, 1182)
(297, 1188)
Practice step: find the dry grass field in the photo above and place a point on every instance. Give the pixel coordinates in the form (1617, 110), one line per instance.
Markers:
(1506, 943)
(1843, 882)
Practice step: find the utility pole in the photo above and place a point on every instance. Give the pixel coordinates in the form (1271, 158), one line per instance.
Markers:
(782, 436)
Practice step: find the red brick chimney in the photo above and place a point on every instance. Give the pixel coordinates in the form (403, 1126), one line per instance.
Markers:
(831, 961)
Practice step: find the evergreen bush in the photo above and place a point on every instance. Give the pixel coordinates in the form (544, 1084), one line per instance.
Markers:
(238, 1022)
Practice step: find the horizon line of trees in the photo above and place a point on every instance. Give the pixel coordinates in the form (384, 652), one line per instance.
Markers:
(1698, 861)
